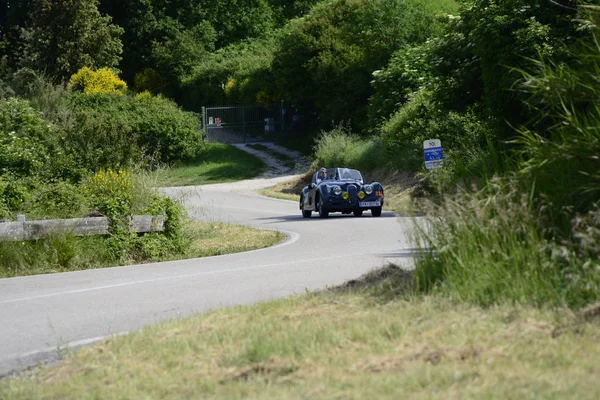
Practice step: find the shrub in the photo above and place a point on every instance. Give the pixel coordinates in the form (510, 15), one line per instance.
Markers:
(465, 136)
(339, 147)
(166, 133)
(408, 71)
(150, 80)
(109, 131)
(111, 193)
(234, 74)
(56, 200)
(102, 81)
(24, 135)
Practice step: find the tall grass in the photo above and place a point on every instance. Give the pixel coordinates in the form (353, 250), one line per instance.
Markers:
(491, 248)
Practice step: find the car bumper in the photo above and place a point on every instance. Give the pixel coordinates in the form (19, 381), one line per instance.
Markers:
(335, 204)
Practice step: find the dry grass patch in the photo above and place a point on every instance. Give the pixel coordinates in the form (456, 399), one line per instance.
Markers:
(214, 238)
(347, 343)
(289, 190)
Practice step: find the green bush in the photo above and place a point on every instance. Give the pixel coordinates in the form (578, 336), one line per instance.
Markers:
(531, 235)
(110, 131)
(14, 193)
(340, 148)
(465, 136)
(408, 71)
(56, 200)
(24, 134)
(475, 61)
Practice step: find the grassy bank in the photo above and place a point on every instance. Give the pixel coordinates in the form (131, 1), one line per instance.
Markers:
(360, 341)
(69, 253)
(217, 163)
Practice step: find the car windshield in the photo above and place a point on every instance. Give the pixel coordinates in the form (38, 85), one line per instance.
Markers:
(346, 174)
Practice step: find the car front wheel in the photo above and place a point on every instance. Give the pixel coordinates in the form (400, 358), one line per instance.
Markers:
(376, 212)
(358, 213)
(323, 212)
(305, 213)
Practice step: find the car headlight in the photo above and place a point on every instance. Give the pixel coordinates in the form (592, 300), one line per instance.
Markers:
(369, 189)
(337, 190)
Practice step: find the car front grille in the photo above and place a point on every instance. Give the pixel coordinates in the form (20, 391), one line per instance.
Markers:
(352, 194)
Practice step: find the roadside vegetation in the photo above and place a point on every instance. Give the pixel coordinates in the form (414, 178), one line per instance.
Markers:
(363, 340)
(65, 253)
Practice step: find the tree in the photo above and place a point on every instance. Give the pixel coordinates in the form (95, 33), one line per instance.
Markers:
(67, 35)
(14, 16)
(478, 59)
(325, 62)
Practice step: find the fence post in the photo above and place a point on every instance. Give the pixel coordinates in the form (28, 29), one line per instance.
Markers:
(203, 119)
(21, 222)
(244, 122)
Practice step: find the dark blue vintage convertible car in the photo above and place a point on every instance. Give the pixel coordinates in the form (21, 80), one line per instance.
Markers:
(340, 190)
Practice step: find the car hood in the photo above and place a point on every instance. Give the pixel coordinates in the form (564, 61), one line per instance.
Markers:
(340, 183)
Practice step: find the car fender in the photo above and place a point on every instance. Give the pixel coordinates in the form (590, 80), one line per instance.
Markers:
(308, 203)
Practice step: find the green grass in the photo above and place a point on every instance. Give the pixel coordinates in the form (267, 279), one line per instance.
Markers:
(70, 253)
(286, 160)
(218, 163)
(360, 341)
(303, 144)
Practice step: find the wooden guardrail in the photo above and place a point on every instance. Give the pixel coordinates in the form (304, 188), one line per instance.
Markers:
(27, 230)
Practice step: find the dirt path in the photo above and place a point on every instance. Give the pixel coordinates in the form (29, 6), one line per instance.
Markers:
(276, 172)
(275, 167)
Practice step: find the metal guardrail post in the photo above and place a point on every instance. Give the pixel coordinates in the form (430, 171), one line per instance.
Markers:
(244, 123)
(204, 121)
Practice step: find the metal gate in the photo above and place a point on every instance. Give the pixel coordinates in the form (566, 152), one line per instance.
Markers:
(243, 124)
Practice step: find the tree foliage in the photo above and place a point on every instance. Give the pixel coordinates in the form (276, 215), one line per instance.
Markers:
(67, 35)
(325, 60)
(477, 58)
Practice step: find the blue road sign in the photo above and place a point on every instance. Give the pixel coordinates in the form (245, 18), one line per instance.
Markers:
(434, 157)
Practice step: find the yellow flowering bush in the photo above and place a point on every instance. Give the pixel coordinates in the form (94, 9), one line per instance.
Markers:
(102, 81)
(111, 192)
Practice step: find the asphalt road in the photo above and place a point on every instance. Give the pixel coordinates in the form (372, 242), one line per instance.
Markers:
(41, 316)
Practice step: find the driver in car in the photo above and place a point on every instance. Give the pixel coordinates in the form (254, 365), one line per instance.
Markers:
(321, 175)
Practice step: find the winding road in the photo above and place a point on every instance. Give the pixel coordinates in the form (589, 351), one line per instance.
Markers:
(42, 315)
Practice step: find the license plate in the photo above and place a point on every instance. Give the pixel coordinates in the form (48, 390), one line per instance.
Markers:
(369, 204)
